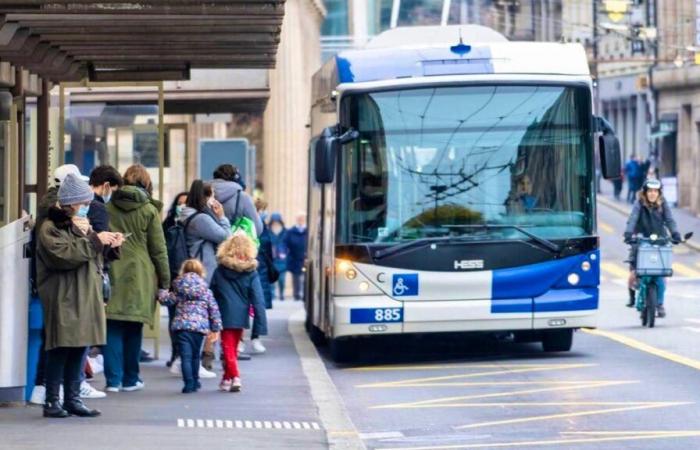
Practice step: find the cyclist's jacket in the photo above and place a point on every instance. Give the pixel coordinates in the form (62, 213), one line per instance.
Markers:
(647, 219)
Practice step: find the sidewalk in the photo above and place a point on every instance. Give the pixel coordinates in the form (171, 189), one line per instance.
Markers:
(686, 220)
(275, 409)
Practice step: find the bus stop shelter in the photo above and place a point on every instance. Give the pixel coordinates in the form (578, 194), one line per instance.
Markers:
(48, 42)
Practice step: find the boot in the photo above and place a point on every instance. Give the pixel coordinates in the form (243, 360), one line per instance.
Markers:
(632, 300)
(52, 404)
(660, 311)
(74, 405)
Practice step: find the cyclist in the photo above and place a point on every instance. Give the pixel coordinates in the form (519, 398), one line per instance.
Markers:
(650, 215)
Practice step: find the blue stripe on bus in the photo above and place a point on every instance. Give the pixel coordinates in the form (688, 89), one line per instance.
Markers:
(511, 305)
(534, 280)
(567, 300)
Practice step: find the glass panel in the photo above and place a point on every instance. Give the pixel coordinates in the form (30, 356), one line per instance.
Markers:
(175, 174)
(420, 12)
(102, 126)
(433, 161)
(336, 22)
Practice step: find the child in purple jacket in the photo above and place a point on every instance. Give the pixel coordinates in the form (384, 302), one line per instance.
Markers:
(196, 314)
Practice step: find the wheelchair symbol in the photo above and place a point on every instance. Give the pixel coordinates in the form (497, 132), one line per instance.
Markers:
(400, 288)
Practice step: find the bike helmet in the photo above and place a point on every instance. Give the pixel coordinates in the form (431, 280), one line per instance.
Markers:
(651, 183)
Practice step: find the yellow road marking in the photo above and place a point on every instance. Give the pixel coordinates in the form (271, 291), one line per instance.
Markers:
(446, 401)
(695, 364)
(686, 271)
(428, 380)
(616, 270)
(638, 436)
(681, 250)
(594, 412)
(606, 228)
(462, 366)
(697, 264)
(484, 383)
(401, 383)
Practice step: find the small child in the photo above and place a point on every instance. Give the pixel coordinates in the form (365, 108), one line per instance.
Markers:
(196, 314)
(236, 286)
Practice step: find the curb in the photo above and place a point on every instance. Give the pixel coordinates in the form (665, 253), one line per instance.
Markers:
(340, 431)
(626, 212)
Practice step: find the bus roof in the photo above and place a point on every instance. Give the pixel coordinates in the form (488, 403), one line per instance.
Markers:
(375, 64)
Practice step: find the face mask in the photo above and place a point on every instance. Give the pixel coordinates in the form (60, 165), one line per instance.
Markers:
(178, 209)
(276, 228)
(83, 211)
(107, 196)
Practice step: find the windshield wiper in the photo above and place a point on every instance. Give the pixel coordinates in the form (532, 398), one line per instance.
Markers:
(544, 243)
(398, 248)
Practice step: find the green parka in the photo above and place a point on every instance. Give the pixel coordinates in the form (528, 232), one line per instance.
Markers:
(69, 281)
(143, 266)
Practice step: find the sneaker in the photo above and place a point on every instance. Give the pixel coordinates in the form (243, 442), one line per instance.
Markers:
(113, 389)
(236, 384)
(225, 385)
(87, 391)
(176, 367)
(145, 357)
(204, 373)
(137, 387)
(38, 395)
(243, 356)
(258, 347)
(241, 347)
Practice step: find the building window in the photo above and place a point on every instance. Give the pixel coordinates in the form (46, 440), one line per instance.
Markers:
(336, 23)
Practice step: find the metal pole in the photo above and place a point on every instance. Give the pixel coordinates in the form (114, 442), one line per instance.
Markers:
(596, 90)
(161, 141)
(61, 124)
(395, 7)
(43, 157)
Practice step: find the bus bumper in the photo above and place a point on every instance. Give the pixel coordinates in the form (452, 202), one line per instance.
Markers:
(378, 314)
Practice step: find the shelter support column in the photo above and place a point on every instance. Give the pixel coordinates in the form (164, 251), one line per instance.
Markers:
(285, 127)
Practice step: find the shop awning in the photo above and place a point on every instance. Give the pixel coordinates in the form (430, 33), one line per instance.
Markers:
(138, 40)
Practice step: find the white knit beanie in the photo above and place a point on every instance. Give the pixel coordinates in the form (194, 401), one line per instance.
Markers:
(74, 191)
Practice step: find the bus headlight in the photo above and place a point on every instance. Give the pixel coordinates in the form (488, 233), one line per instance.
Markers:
(585, 266)
(364, 286)
(351, 274)
(344, 268)
(573, 279)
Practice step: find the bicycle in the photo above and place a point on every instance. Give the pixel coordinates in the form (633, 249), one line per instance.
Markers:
(653, 262)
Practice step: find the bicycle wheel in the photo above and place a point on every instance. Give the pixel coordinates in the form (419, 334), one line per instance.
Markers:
(651, 304)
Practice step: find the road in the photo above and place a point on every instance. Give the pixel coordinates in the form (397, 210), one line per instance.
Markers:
(622, 386)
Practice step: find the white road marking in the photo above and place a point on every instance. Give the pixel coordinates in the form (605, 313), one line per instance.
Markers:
(693, 320)
(693, 329)
(248, 424)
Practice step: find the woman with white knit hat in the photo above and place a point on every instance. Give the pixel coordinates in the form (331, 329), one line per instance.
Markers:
(69, 265)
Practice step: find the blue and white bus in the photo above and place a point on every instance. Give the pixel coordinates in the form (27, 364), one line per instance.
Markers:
(451, 189)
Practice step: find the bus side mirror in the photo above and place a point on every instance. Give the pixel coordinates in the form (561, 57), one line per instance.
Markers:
(325, 154)
(610, 158)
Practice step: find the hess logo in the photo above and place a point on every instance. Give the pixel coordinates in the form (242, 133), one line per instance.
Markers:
(469, 264)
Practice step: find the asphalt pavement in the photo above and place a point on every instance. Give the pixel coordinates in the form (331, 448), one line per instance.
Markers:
(621, 387)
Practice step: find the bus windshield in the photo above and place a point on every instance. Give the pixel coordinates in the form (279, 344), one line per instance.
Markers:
(436, 161)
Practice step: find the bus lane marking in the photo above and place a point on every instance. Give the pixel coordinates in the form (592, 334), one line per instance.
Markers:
(684, 270)
(638, 345)
(448, 401)
(606, 227)
(636, 436)
(595, 412)
(614, 269)
(463, 366)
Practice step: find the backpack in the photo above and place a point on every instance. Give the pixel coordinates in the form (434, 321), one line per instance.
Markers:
(243, 223)
(176, 243)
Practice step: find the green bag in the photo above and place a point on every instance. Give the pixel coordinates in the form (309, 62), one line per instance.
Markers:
(248, 227)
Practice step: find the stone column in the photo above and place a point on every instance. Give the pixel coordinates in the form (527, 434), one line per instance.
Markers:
(285, 122)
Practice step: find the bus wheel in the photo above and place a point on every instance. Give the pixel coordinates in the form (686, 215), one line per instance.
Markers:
(558, 340)
(342, 350)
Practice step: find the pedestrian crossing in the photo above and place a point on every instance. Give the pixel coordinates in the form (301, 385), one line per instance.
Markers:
(249, 424)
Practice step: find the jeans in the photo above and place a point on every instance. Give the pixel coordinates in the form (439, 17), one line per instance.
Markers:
(298, 285)
(122, 353)
(63, 366)
(230, 337)
(281, 283)
(189, 344)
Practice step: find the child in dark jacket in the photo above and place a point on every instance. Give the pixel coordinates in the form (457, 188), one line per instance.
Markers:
(196, 314)
(236, 286)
